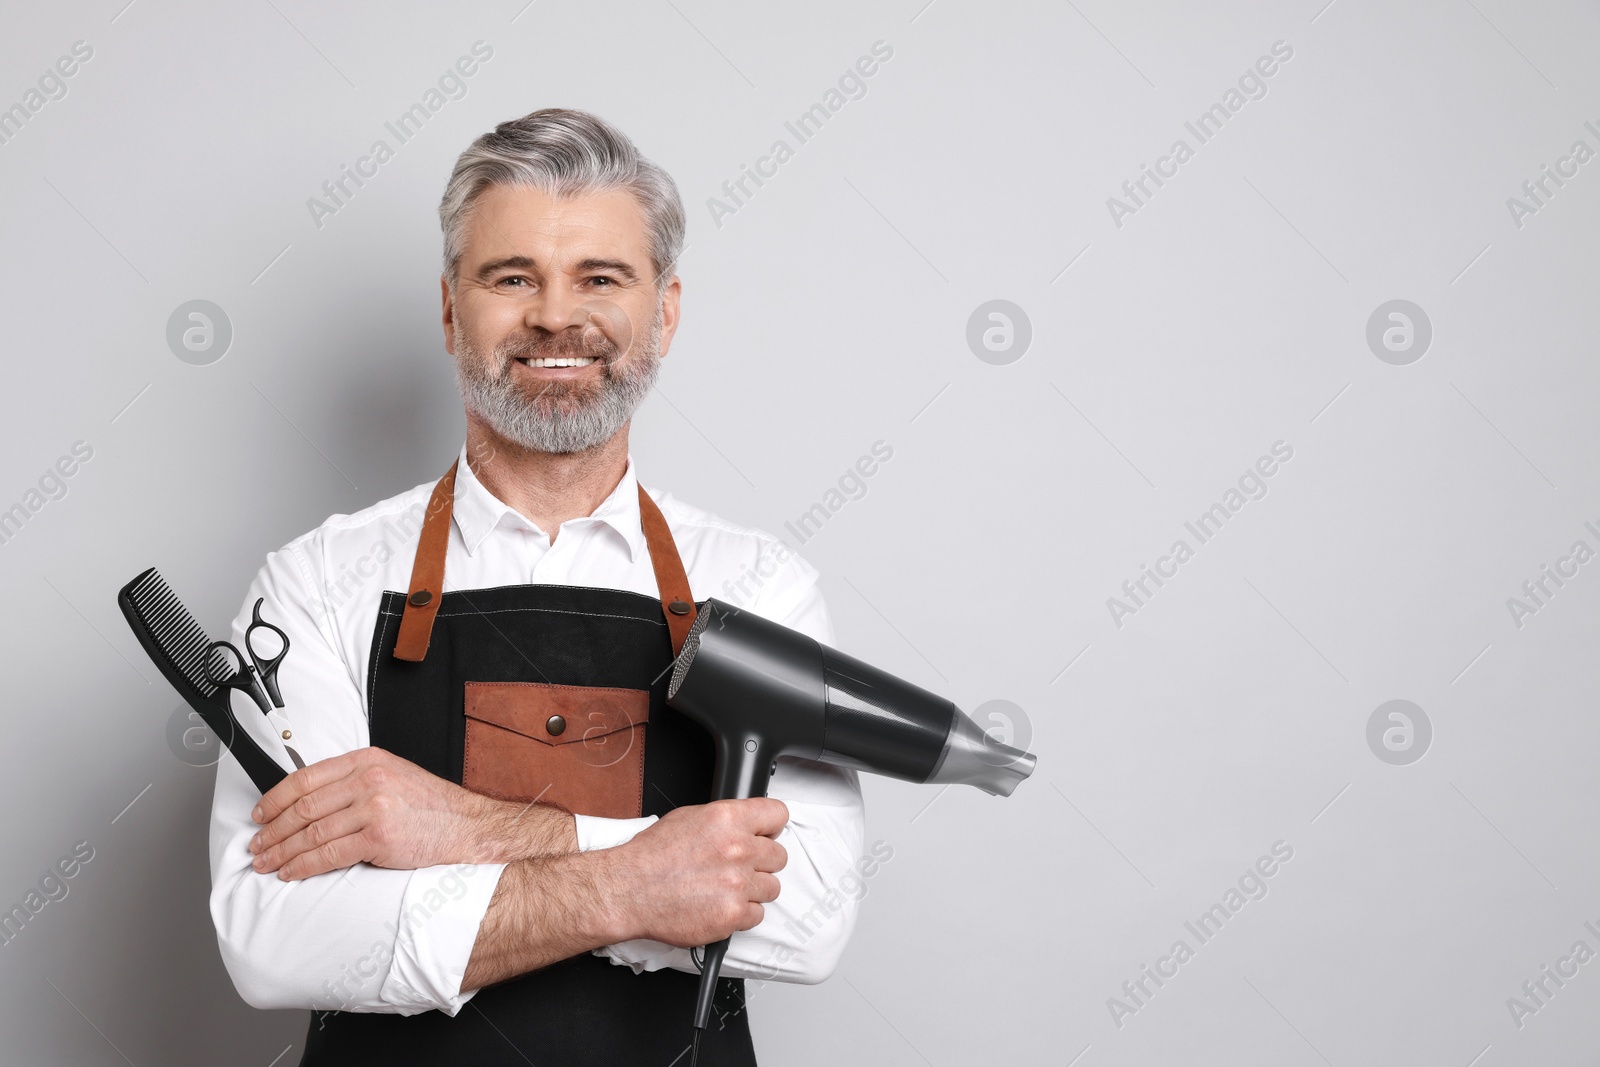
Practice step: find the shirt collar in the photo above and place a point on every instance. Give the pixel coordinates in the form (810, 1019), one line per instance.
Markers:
(479, 512)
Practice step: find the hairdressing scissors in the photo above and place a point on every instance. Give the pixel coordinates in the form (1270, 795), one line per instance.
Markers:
(257, 676)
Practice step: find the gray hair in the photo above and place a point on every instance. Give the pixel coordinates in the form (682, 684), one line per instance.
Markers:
(564, 153)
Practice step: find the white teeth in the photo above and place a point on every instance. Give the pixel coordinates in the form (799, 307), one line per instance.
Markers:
(561, 361)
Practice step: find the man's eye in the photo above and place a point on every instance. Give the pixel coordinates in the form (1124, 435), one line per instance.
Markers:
(609, 283)
(518, 280)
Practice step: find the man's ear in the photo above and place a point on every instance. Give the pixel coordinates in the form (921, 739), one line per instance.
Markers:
(448, 315)
(670, 312)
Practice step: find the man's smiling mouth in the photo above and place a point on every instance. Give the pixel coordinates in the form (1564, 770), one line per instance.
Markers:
(556, 361)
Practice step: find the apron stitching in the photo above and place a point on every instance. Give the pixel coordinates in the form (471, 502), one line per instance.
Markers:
(372, 684)
(551, 611)
(558, 685)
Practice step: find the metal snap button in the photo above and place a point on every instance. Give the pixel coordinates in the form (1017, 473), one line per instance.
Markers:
(420, 599)
(556, 725)
(678, 607)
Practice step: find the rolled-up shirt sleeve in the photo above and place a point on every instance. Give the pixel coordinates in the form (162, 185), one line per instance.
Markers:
(804, 931)
(363, 939)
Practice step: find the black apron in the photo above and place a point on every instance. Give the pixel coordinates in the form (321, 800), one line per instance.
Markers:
(427, 647)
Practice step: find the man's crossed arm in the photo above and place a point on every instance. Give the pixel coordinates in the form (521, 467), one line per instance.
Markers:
(694, 877)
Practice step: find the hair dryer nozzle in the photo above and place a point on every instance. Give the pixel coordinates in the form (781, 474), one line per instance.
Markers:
(972, 757)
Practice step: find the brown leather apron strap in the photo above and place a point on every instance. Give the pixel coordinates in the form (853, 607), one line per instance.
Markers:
(427, 572)
(677, 602)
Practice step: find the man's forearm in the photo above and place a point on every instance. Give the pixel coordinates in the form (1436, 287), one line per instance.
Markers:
(536, 916)
(509, 831)
(693, 877)
(543, 911)
(369, 805)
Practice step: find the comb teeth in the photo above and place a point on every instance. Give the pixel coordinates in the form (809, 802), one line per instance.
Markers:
(172, 628)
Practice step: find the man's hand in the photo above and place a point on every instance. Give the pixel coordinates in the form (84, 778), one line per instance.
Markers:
(693, 877)
(371, 806)
(702, 872)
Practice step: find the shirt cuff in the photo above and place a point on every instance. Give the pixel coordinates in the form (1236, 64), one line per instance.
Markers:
(595, 832)
(438, 925)
(643, 954)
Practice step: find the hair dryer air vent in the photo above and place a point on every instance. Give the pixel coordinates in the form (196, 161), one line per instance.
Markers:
(691, 645)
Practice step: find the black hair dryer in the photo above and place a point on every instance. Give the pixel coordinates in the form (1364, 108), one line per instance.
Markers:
(764, 691)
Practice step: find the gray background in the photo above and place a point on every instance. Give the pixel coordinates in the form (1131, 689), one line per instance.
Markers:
(831, 312)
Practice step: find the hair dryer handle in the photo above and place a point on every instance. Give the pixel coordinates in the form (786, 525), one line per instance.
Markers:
(710, 967)
(744, 767)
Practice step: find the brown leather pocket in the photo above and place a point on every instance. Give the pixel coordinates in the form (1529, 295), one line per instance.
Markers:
(578, 747)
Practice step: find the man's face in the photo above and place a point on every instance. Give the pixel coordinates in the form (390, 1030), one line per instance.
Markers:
(554, 320)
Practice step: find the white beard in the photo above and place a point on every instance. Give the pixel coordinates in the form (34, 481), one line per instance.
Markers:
(562, 417)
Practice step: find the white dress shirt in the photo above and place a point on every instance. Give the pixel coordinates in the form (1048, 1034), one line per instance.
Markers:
(371, 939)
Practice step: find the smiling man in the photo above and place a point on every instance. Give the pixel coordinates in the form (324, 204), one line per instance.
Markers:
(500, 849)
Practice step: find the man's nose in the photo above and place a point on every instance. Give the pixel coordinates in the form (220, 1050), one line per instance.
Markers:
(552, 308)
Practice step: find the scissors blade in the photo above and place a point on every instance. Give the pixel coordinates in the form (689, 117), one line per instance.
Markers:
(281, 727)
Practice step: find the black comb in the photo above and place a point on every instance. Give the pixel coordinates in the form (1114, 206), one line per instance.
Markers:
(177, 645)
